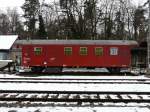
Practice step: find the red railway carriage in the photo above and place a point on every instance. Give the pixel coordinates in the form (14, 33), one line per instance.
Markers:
(112, 54)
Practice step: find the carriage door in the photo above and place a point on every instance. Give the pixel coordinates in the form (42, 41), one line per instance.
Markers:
(38, 56)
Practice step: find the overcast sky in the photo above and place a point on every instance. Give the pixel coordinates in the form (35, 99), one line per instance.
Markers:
(4, 4)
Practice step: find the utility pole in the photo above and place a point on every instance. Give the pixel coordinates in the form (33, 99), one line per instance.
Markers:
(148, 44)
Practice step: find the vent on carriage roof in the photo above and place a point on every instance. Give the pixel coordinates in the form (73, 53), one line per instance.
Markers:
(6, 41)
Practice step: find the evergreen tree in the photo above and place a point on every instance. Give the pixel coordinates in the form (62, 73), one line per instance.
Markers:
(119, 26)
(90, 17)
(31, 8)
(138, 23)
(41, 32)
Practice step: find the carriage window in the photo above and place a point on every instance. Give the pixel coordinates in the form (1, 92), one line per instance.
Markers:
(68, 51)
(38, 50)
(98, 51)
(113, 51)
(83, 51)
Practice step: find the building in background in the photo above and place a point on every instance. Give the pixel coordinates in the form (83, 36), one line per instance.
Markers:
(6, 55)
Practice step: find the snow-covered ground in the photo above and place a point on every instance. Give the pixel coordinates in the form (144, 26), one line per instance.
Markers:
(76, 109)
(76, 87)
(81, 77)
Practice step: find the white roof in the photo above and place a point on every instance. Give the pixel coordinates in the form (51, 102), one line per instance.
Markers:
(6, 41)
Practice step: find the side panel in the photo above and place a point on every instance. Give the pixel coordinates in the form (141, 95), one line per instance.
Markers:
(26, 59)
(53, 55)
(30, 58)
(122, 59)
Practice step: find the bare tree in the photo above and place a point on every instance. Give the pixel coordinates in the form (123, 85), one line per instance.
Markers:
(139, 23)
(90, 19)
(15, 24)
(4, 24)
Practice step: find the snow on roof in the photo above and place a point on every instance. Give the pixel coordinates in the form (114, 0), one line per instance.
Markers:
(6, 41)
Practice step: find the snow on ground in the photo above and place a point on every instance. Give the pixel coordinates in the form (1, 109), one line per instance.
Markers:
(75, 87)
(75, 109)
(85, 70)
(9, 76)
(68, 77)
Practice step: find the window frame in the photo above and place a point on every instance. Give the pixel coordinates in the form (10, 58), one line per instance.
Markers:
(83, 52)
(114, 51)
(67, 52)
(38, 52)
(97, 53)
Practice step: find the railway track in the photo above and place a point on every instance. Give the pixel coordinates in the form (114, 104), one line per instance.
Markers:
(56, 96)
(81, 81)
(75, 96)
(97, 79)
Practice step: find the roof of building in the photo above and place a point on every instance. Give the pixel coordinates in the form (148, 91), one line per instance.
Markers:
(6, 41)
(77, 42)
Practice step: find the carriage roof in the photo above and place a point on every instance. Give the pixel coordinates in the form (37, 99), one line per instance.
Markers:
(76, 42)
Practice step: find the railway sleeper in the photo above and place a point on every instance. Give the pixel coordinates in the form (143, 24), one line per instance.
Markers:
(77, 98)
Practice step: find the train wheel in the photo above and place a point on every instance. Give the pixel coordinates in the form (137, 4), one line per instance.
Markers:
(114, 70)
(37, 69)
